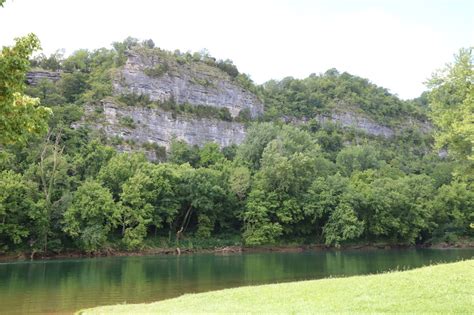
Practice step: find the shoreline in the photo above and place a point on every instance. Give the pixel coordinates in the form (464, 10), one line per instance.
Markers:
(25, 256)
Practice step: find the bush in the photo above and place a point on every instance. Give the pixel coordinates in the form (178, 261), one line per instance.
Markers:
(127, 121)
(134, 99)
(157, 71)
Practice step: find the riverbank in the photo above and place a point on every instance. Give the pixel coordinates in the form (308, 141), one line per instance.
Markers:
(23, 256)
(445, 288)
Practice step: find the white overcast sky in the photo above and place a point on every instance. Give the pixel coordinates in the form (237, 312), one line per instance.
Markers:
(396, 44)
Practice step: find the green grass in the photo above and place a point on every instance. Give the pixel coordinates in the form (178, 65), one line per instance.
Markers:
(442, 289)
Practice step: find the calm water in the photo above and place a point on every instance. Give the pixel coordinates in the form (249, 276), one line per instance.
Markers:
(63, 286)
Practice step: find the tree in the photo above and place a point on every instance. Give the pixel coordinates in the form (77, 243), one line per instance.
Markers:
(210, 154)
(91, 216)
(452, 105)
(91, 158)
(16, 205)
(148, 198)
(239, 181)
(202, 195)
(258, 136)
(397, 209)
(119, 169)
(51, 174)
(20, 115)
(453, 209)
(180, 152)
(342, 225)
(357, 158)
(275, 206)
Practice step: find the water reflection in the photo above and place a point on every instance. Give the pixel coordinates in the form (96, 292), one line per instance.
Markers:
(67, 285)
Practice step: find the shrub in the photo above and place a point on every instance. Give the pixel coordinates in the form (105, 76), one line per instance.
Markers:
(127, 121)
(157, 71)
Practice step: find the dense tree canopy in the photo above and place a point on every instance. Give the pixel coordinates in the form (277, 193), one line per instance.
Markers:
(452, 105)
(309, 182)
(20, 114)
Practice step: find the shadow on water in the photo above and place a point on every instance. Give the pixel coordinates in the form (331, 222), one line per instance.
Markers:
(63, 286)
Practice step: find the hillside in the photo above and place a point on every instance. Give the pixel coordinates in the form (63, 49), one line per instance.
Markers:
(154, 149)
(192, 97)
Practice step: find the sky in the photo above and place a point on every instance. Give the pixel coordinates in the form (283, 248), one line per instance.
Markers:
(396, 44)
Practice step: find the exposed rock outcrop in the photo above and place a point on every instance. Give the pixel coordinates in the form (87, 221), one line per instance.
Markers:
(34, 77)
(195, 83)
(160, 127)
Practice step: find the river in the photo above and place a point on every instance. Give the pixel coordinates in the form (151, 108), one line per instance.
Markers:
(64, 286)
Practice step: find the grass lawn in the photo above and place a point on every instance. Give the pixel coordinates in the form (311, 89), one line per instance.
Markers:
(446, 288)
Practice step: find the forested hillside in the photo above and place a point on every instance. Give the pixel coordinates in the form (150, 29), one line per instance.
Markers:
(296, 178)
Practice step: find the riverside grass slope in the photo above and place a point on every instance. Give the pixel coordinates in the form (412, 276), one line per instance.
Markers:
(442, 289)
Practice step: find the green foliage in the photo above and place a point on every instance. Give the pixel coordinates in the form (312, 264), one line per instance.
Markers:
(118, 170)
(91, 216)
(342, 225)
(357, 158)
(128, 122)
(20, 115)
(157, 70)
(180, 152)
(210, 154)
(48, 93)
(319, 94)
(16, 205)
(51, 63)
(312, 182)
(453, 209)
(452, 105)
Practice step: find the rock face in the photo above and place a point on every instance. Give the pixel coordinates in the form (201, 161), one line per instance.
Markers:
(195, 83)
(34, 77)
(160, 76)
(351, 120)
(157, 126)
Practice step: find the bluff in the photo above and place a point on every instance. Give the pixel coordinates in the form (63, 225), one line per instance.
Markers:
(165, 79)
(156, 95)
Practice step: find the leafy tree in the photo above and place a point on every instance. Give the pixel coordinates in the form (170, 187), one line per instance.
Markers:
(258, 136)
(359, 158)
(16, 205)
(210, 154)
(342, 225)
(20, 115)
(275, 204)
(48, 92)
(53, 62)
(180, 153)
(452, 105)
(118, 170)
(202, 194)
(148, 198)
(72, 86)
(93, 156)
(91, 216)
(51, 173)
(398, 209)
(453, 209)
(239, 181)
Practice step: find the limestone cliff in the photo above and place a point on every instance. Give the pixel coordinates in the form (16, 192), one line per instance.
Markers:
(34, 77)
(163, 78)
(145, 125)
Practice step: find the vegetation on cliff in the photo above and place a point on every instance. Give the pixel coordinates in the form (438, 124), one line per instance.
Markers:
(313, 182)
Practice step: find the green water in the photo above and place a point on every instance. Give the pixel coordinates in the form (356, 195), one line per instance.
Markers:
(64, 286)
